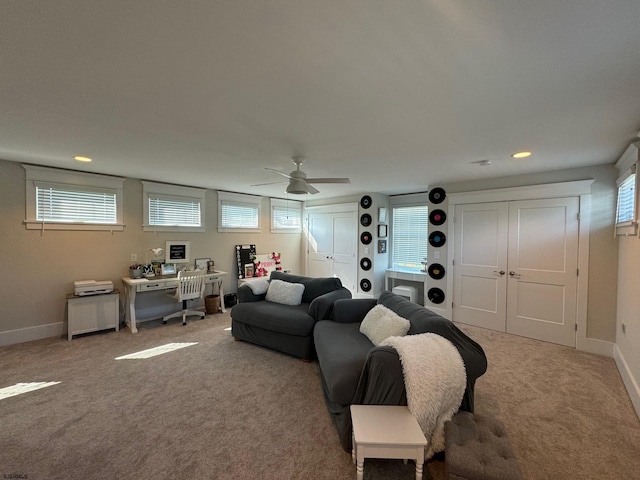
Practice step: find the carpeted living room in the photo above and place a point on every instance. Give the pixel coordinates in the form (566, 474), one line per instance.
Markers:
(229, 228)
(233, 410)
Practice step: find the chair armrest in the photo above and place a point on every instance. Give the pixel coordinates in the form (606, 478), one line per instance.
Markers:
(321, 307)
(352, 310)
(245, 294)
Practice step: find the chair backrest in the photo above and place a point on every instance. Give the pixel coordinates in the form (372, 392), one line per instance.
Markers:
(190, 285)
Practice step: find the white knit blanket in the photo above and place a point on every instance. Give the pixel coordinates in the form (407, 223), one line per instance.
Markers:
(435, 380)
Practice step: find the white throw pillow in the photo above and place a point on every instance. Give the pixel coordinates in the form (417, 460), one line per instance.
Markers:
(258, 286)
(381, 323)
(285, 292)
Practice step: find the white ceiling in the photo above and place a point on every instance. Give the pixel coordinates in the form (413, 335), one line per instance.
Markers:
(396, 95)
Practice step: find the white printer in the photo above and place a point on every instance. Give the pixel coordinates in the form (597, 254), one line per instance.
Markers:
(92, 287)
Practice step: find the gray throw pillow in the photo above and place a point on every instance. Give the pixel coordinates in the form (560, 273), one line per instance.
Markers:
(284, 292)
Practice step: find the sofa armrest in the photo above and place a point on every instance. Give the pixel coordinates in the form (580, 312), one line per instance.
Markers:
(352, 310)
(321, 308)
(245, 294)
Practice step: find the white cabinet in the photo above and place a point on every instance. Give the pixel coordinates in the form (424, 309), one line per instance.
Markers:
(92, 313)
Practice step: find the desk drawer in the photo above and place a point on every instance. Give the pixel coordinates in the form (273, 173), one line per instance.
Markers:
(146, 287)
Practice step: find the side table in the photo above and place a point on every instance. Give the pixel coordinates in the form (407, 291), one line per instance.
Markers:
(386, 431)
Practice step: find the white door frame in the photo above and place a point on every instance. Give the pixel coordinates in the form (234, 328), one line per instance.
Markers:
(581, 189)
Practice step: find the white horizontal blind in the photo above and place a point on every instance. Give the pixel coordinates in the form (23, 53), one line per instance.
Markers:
(239, 215)
(284, 218)
(409, 236)
(75, 205)
(174, 211)
(626, 200)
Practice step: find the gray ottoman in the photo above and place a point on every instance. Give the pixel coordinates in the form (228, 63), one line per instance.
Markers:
(477, 448)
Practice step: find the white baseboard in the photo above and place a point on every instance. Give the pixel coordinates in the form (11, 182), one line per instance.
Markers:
(627, 377)
(592, 345)
(29, 334)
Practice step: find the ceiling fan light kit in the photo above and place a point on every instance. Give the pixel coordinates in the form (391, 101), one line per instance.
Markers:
(299, 184)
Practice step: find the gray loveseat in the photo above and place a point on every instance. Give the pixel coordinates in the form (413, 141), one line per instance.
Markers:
(286, 328)
(353, 371)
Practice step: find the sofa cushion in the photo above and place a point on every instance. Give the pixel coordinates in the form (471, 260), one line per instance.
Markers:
(342, 351)
(284, 292)
(288, 319)
(381, 323)
(313, 287)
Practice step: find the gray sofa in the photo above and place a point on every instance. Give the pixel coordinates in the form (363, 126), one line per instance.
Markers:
(353, 371)
(286, 328)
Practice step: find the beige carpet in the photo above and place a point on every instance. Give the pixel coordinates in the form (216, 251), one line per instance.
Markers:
(230, 410)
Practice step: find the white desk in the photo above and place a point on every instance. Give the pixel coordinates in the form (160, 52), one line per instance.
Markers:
(412, 275)
(133, 286)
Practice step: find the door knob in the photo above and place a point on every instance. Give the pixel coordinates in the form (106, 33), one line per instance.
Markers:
(501, 272)
(514, 274)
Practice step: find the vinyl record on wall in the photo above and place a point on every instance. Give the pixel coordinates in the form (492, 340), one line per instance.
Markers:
(365, 202)
(437, 195)
(365, 219)
(365, 264)
(437, 217)
(365, 285)
(436, 271)
(435, 295)
(437, 239)
(365, 238)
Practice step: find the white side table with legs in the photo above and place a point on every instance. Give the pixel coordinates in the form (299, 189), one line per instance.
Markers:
(386, 431)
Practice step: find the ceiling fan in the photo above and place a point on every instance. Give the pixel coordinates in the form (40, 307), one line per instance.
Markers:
(299, 184)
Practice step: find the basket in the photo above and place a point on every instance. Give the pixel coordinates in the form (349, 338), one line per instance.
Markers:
(212, 304)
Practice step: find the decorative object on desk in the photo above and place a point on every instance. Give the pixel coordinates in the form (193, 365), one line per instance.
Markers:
(135, 270)
(382, 215)
(245, 254)
(382, 231)
(168, 269)
(211, 266)
(177, 251)
(157, 266)
(248, 270)
(202, 264)
(148, 271)
(156, 252)
(382, 246)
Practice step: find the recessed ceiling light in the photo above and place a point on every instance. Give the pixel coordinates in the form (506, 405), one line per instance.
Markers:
(521, 155)
(80, 158)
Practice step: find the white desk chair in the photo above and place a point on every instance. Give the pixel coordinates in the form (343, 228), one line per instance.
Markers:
(190, 287)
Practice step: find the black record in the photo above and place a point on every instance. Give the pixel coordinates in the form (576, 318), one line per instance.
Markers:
(437, 239)
(365, 202)
(437, 217)
(435, 295)
(365, 264)
(437, 195)
(365, 219)
(436, 271)
(365, 285)
(365, 238)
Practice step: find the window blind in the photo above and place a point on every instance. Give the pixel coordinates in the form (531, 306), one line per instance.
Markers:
(626, 200)
(409, 236)
(74, 205)
(239, 215)
(284, 218)
(174, 211)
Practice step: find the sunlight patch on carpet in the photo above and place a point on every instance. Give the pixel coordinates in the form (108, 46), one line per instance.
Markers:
(20, 388)
(228, 329)
(152, 352)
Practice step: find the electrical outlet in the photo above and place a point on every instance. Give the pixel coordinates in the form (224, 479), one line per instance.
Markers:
(436, 255)
(134, 257)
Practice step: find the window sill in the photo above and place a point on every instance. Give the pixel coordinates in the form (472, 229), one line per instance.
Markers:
(168, 228)
(626, 229)
(35, 225)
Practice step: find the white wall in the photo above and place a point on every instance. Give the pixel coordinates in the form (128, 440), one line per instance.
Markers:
(38, 269)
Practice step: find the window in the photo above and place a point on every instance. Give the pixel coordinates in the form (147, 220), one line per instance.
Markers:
(626, 205)
(173, 208)
(286, 216)
(238, 212)
(409, 236)
(68, 200)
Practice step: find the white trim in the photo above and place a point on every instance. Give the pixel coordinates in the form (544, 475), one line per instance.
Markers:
(190, 193)
(531, 192)
(630, 383)
(334, 208)
(293, 205)
(239, 198)
(409, 200)
(28, 334)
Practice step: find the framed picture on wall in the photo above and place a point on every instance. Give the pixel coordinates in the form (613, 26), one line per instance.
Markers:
(177, 252)
(382, 246)
(382, 231)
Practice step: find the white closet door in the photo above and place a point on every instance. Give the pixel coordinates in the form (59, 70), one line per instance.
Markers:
(345, 244)
(480, 255)
(320, 244)
(542, 271)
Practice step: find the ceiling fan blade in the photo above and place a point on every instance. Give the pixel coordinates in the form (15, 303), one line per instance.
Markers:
(268, 183)
(328, 180)
(312, 190)
(278, 172)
